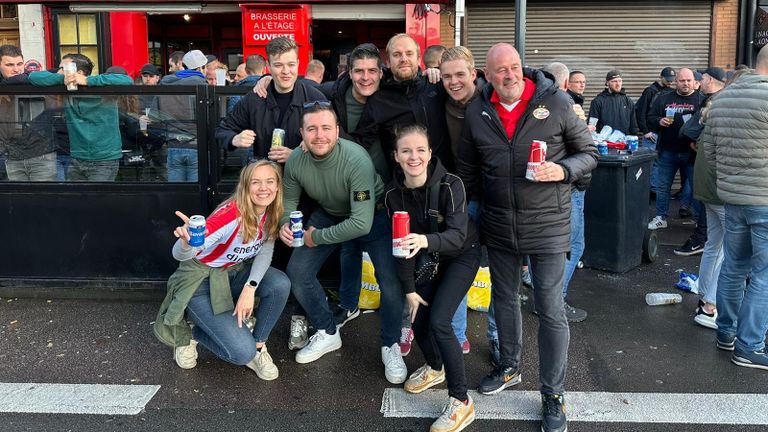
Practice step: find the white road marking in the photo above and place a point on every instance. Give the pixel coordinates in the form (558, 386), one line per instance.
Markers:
(75, 398)
(694, 408)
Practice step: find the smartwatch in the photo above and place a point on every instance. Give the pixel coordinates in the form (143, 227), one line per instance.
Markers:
(253, 283)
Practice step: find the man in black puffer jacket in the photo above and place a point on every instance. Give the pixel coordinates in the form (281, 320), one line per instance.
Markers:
(613, 107)
(522, 217)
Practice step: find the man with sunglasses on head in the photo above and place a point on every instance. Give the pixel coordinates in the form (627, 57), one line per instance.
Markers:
(252, 121)
(340, 176)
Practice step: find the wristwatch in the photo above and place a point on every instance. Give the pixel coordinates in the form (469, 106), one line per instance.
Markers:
(253, 283)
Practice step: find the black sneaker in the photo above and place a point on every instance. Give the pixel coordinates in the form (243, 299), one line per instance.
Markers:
(751, 359)
(553, 413)
(343, 316)
(691, 247)
(499, 379)
(495, 354)
(574, 314)
(725, 343)
(684, 213)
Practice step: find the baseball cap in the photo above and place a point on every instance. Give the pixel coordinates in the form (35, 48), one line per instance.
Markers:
(668, 73)
(194, 59)
(115, 70)
(715, 72)
(615, 73)
(149, 69)
(697, 75)
(210, 58)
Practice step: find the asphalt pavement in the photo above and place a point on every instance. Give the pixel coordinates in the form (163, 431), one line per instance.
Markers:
(624, 347)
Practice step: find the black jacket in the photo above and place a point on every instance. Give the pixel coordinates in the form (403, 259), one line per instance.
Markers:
(669, 137)
(455, 232)
(261, 115)
(577, 98)
(616, 110)
(520, 215)
(643, 106)
(404, 103)
(338, 97)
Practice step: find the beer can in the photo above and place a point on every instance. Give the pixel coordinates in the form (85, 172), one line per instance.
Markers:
(537, 156)
(401, 227)
(602, 148)
(632, 142)
(278, 137)
(297, 226)
(197, 231)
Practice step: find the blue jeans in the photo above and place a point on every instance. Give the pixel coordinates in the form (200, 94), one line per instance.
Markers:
(669, 162)
(62, 165)
(351, 275)
(220, 333)
(712, 257)
(577, 237)
(95, 171)
(305, 262)
(744, 313)
(38, 168)
(182, 164)
(459, 321)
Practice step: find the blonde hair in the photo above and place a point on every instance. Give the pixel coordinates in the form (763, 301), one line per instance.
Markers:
(246, 209)
(458, 53)
(400, 36)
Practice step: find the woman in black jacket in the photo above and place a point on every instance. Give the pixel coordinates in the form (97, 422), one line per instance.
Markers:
(433, 304)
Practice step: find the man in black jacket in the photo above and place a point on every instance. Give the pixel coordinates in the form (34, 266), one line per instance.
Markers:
(405, 97)
(522, 217)
(643, 106)
(612, 107)
(577, 82)
(251, 123)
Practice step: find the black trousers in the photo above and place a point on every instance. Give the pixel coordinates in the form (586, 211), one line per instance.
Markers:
(432, 326)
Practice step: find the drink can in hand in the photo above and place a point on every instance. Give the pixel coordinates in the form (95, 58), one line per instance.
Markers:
(197, 231)
(278, 137)
(536, 157)
(401, 227)
(297, 228)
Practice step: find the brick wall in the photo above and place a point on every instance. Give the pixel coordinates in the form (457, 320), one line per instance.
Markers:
(446, 28)
(725, 23)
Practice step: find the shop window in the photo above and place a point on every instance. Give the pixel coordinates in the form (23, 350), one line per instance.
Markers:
(156, 53)
(9, 11)
(78, 33)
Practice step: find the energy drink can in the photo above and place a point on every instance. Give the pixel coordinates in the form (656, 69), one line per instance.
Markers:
(401, 227)
(278, 137)
(537, 156)
(196, 231)
(297, 225)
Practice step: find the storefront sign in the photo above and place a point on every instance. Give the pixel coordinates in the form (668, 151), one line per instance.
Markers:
(760, 38)
(261, 25)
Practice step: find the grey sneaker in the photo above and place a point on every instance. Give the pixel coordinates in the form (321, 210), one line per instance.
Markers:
(263, 365)
(574, 314)
(186, 356)
(298, 338)
(725, 343)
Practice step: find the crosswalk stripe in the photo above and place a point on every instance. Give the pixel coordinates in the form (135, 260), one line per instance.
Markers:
(694, 408)
(75, 398)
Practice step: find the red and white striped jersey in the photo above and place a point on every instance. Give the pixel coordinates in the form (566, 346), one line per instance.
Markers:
(224, 246)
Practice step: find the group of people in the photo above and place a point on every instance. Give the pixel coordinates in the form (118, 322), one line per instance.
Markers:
(453, 154)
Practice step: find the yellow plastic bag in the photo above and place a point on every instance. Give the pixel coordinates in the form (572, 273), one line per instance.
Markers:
(370, 295)
(479, 295)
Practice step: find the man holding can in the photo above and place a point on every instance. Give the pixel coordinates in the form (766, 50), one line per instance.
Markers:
(340, 176)
(252, 121)
(522, 217)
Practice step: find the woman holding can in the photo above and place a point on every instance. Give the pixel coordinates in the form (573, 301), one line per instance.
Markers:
(434, 302)
(216, 283)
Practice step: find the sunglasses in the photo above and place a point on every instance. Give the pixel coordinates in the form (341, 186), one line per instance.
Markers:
(317, 104)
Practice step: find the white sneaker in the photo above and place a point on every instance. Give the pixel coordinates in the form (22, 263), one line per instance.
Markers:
(186, 356)
(263, 365)
(298, 338)
(657, 222)
(320, 344)
(394, 366)
(455, 416)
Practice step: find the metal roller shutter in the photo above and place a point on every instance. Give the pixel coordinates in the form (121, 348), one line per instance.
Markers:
(638, 38)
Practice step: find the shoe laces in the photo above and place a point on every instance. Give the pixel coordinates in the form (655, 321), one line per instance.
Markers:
(405, 335)
(450, 408)
(188, 352)
(392, 355)
(297, 328)
(553, 405)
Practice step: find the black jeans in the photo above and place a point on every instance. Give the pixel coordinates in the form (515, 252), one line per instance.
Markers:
(554, 335)
(432, 327)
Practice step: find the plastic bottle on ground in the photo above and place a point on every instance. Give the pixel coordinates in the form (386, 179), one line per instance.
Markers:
(657, 299)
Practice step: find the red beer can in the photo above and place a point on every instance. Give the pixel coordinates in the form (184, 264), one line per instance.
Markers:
(401, 227)
(536, 157)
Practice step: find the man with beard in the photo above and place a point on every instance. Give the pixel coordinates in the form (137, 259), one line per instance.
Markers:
(612, 107)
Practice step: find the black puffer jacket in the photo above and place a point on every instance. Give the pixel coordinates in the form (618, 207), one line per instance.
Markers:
(614, 109)
(261, 115)
(405, 103)
(643, 105)
(455, 233)
(520, 215)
